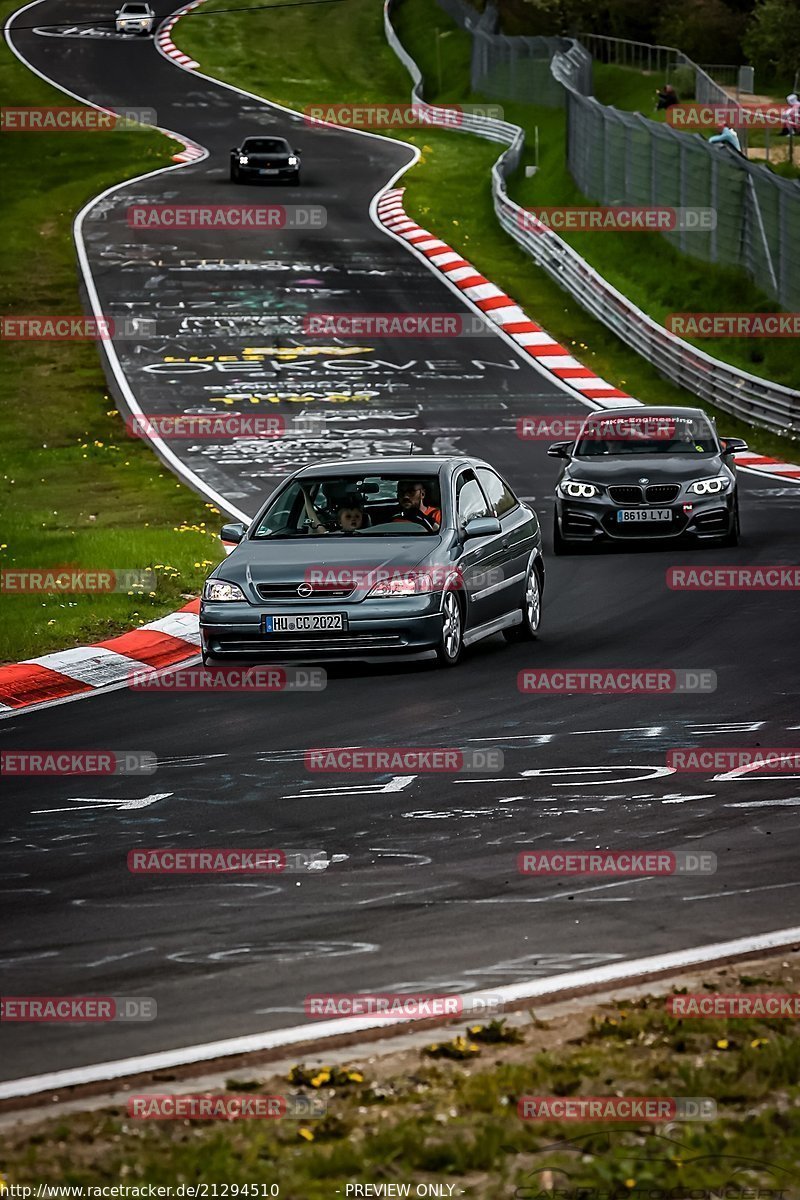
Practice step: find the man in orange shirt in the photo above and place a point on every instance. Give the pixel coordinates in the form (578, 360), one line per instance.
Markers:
(411, 498)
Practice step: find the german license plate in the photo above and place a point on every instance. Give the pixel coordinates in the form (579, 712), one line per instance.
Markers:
(644, 514)
(269, 170)
(304, 623)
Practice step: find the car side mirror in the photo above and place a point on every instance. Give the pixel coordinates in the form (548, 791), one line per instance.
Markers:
(732, 445)
(234, 149)
(482, 527)
(560, 450)
(233, 532)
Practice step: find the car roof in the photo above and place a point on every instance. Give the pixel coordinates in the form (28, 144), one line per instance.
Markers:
(666, 410)
(410, 466)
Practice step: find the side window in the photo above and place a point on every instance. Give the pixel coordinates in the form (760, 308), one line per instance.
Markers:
(501, 498)
(470, 501)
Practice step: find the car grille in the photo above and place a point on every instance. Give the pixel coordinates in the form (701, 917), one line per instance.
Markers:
(298, 644)
(659, 493)
(626, 495)
(656, 493)
(288, 591)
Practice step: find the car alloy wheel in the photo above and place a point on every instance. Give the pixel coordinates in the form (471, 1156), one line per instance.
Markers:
(451, 642)
(528, 629)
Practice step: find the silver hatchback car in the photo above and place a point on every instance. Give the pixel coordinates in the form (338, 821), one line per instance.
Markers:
(135, 17)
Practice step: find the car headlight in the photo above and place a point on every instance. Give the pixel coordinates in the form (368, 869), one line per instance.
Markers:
(416, 584)
(710, 487)
(243, 160)
(218, 589)
(293, 160)
(577, 490)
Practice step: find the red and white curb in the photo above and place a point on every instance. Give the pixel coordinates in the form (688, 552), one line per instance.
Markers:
(764, 465)
(498, 307)
(191, 154)
(164, 38)
(530, 337)
(159, 644)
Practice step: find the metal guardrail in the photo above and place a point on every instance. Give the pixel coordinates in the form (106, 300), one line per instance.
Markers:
(757, 401)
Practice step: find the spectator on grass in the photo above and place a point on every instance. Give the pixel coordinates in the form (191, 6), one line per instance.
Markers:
(666, 97)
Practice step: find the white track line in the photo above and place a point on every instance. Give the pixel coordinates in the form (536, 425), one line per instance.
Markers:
(317, 1033)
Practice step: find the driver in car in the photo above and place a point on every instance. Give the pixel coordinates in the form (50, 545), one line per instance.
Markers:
(411, 498)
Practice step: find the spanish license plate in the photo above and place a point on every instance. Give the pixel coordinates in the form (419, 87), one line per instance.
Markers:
(644, 514)
(305, 623)
(269, 170)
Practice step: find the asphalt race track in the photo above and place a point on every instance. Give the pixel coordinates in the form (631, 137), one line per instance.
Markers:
(422, 891)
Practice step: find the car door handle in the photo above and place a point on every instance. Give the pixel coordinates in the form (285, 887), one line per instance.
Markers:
(504, 543)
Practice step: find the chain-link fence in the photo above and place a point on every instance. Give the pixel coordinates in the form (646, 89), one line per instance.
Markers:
(756, 400)
(622, 158)
(618, 157)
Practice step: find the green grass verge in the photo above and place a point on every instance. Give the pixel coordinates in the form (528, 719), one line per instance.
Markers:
(446, 1113)
(449, 192)
(73, 487)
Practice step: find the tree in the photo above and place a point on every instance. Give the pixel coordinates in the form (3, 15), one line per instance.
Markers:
(772, 39)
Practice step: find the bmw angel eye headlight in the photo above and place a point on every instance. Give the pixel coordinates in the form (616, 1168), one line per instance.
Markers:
(243, 159)
(218, 589)
(710, 487)
(293, 160)
(577, 490)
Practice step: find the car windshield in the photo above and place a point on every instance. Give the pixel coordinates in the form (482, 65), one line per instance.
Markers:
(384, 505)
(134, 10)
(648, 433)
(265, 146)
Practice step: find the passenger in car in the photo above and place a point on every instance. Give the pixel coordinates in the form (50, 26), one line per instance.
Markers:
(350, 514)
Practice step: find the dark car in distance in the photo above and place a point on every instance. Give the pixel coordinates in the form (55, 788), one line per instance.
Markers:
(269, 159)
(645, 474)
(383, 557)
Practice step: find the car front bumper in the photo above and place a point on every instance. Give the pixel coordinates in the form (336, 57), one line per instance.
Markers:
(259, 173)
(134, 27)
(375, 628)
(596, 520)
